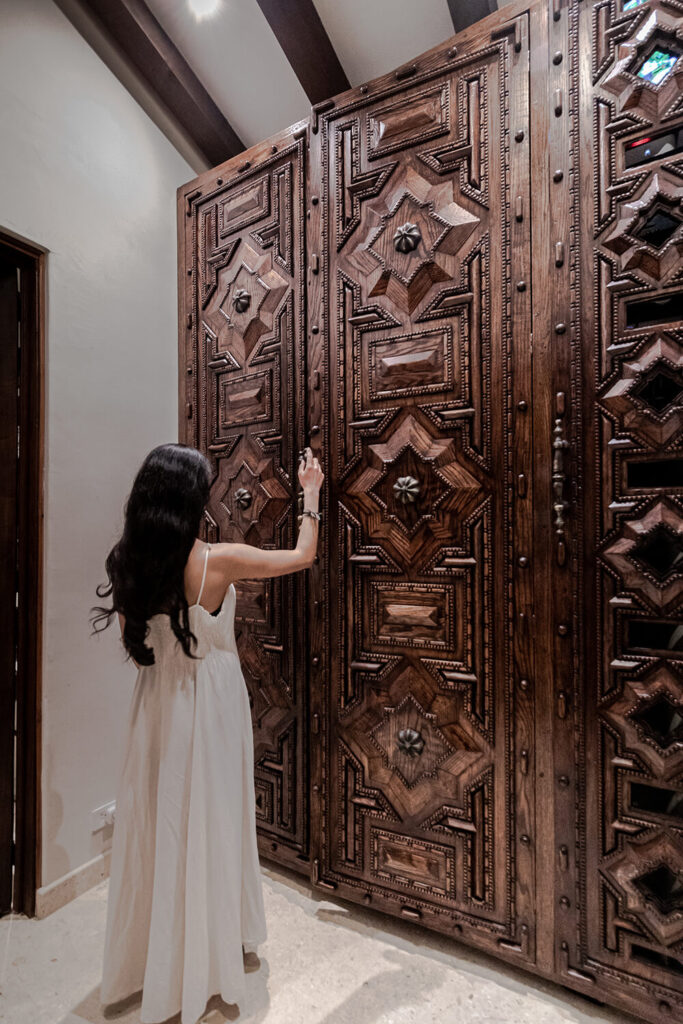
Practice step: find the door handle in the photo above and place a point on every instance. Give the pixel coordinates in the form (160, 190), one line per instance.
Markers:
(559, 444)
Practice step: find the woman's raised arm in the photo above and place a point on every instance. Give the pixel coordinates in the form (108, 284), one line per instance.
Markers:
(245, 562)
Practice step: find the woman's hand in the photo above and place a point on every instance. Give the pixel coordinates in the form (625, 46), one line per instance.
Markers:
(310, 474)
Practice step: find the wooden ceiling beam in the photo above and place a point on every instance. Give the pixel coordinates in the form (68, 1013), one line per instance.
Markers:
(465, 12)
(298, 29)
(138, 35)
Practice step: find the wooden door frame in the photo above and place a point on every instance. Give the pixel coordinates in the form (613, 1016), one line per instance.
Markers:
(32, 261)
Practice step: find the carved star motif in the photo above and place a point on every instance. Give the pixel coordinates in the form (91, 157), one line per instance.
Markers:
(447, 492)
(416, 233)
(632, 400)
(646, 874)
(249, 472)
(648, 234)
(648, 554)
(243, 307)
(410, 740)
(658, 29)
(648, 714)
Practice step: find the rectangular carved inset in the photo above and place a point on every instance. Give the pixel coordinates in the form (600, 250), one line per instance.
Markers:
(264, 801)
(400, 124)
(412, 614)
(244, 207)
(411, 364)
(253, 601)
(244, 399)
(413, 863)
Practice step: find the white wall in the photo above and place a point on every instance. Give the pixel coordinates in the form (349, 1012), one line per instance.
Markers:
(86, 174)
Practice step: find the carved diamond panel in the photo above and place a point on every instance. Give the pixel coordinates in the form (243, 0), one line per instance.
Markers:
(248, 303)
(647, 95)
(648, 233)
(649, 715)
(411, 742)
(268, 494)
(647, 398)
(648, 554)
(650, 876)
(420, 231)
(443, 495)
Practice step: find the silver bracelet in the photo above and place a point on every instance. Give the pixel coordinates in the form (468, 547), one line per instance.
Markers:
(313, 515)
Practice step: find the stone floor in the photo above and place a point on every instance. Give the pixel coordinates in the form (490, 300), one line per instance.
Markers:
(323, 963)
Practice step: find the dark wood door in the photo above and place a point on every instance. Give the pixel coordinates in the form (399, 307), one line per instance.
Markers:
(627, 381)
(242, 295)
(482, 338)
(9, 423)
(421, 331)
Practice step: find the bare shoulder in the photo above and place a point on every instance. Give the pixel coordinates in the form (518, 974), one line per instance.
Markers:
(225, 553)
(227, 559)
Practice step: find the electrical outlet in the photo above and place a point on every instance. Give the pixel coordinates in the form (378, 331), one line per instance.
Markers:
(103, 817)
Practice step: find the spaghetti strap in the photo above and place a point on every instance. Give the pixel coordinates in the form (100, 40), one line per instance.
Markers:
(206, 562)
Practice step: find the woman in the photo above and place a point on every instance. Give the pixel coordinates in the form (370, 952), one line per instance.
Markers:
(185, 894)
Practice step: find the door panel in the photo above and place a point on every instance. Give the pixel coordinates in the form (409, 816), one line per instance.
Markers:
(9, 422)
(493, 682)
(631, 825)
(425, 811)
(244, 365)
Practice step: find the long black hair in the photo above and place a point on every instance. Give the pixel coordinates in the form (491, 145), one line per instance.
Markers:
(146, 568)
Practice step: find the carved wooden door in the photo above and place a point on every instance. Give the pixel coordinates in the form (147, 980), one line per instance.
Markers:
(242, 295)
(620, 924)
(420, 330)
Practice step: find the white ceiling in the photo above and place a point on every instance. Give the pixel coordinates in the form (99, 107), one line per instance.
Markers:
(372, 37)
(238, 59)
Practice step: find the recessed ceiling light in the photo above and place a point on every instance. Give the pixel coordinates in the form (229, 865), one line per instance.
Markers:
(204, 8)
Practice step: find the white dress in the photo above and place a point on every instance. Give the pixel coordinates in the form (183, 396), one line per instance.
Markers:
(185, 891)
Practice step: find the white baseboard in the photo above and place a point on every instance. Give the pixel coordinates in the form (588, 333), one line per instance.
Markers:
(57, 894)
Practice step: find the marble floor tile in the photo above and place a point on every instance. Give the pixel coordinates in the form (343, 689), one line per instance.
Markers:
(323, 963)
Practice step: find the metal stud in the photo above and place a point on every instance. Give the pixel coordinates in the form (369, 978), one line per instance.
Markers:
(242, 497)
(557, 57)
(521, 286)
(410, 742)
(407, 489)
(519, 136)
(562, 704)
(407, 238)
(241, 300)
(558, 175)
